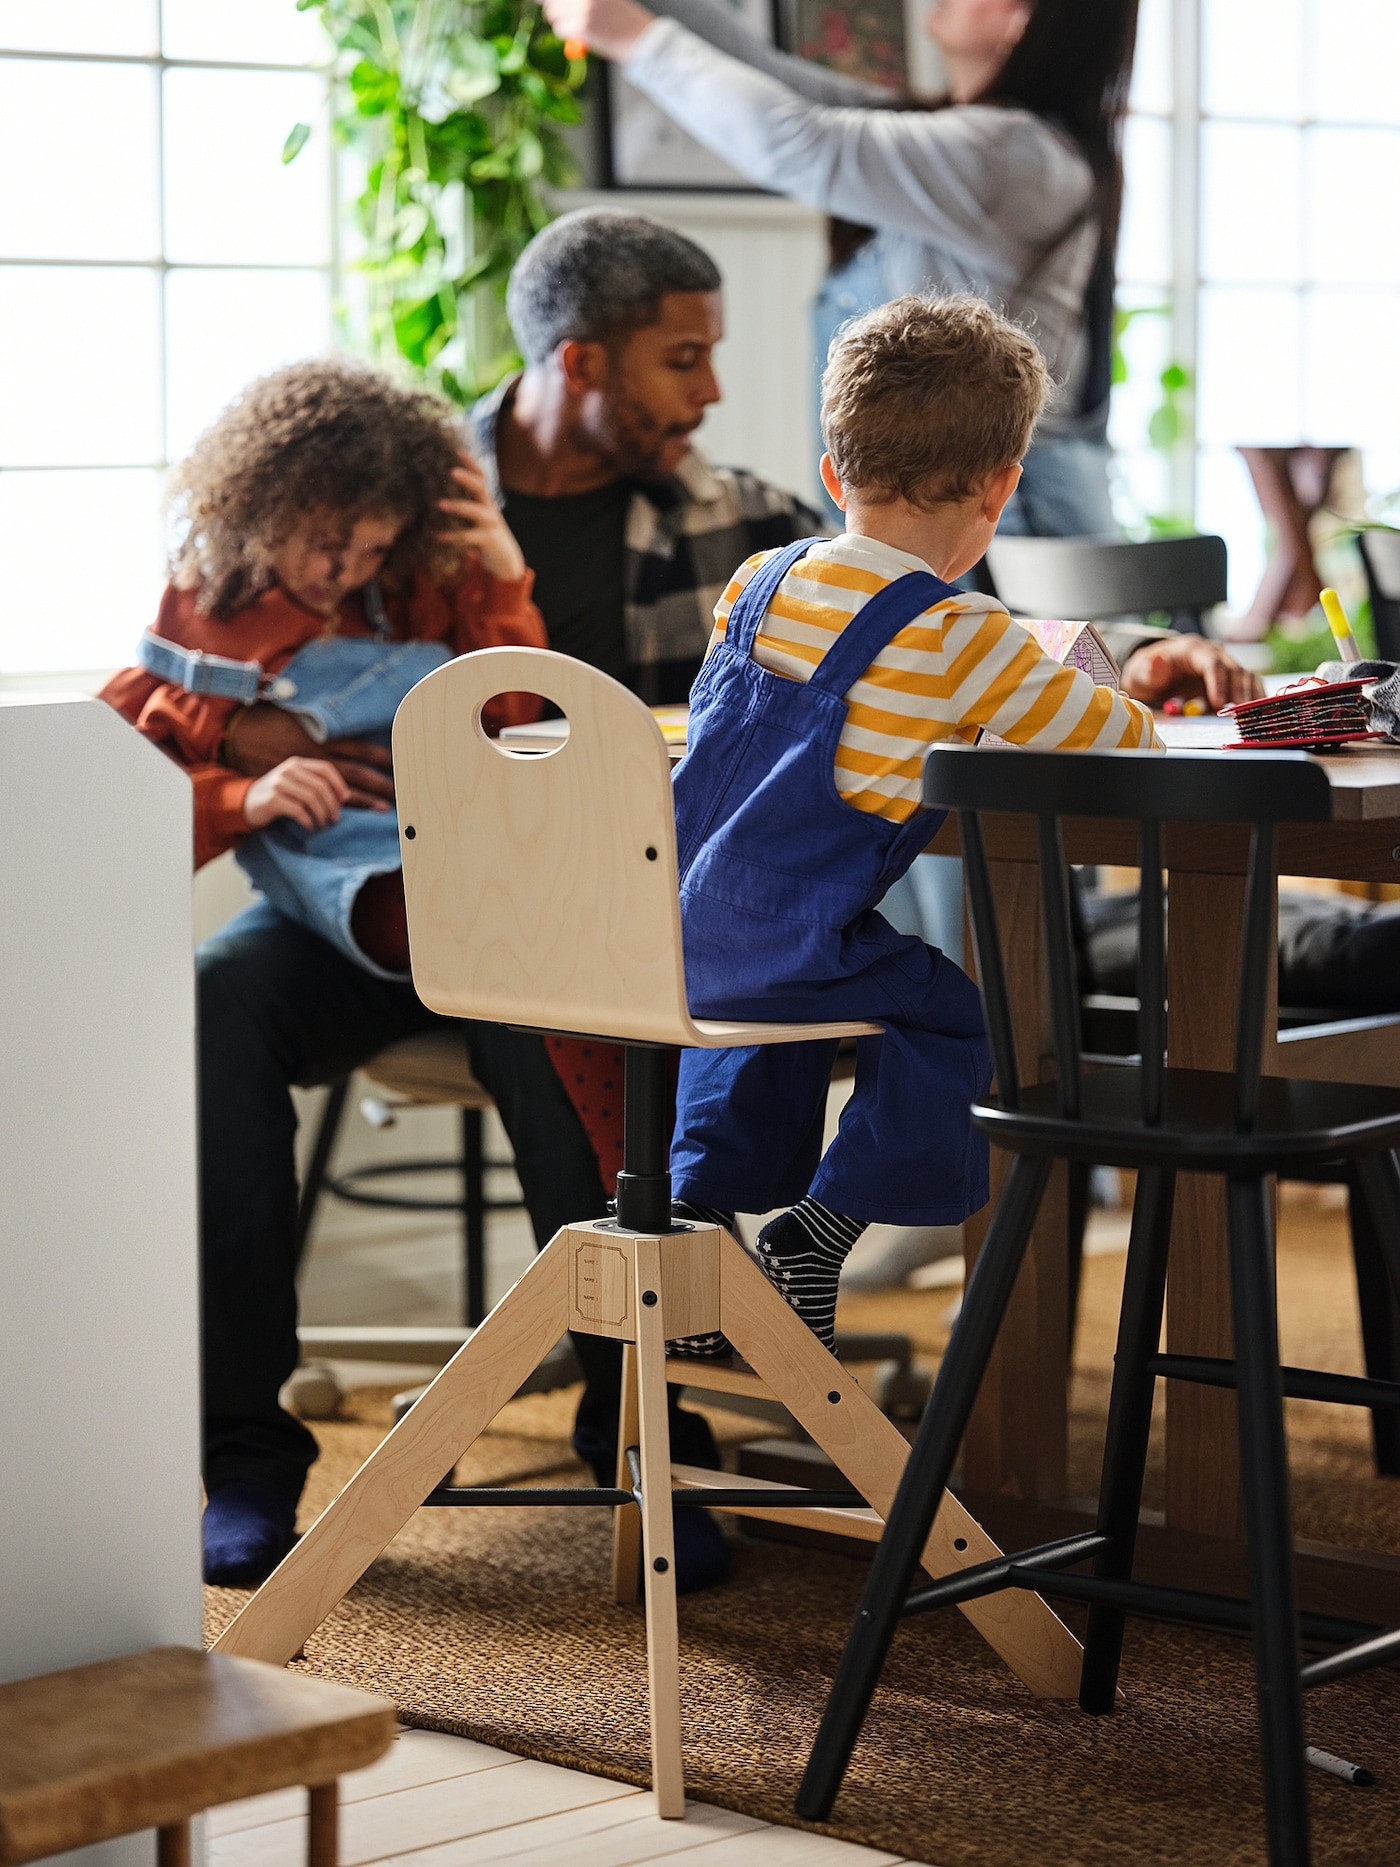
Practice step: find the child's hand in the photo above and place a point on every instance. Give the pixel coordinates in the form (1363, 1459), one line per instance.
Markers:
(264, 736)
(481, 531)
(308, 790)
(1187, 667)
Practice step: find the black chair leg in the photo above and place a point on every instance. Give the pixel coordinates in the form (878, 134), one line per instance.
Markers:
(921, 1487)
(1374, 1215)
(473, 1220)
(1079, 1175)
(1129, 1423)
(1268, 1520)
(320, 1159)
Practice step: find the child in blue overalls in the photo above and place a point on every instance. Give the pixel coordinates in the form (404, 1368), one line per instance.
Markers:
(835, 665)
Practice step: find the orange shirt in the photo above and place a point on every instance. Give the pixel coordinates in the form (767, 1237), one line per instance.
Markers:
(480, 611)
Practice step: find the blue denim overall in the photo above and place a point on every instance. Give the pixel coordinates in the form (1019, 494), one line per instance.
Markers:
(338, 687)
(779, 880)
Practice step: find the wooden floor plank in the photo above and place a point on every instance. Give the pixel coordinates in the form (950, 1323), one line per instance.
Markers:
(788, 1847)
(626, 1832)
(415, 1758)
(407, 1820)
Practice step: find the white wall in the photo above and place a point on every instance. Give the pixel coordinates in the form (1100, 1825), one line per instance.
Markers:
(99, 1386)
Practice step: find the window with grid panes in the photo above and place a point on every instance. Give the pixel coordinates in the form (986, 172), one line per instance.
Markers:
(155, 253)
(1299, 248)
(1142, 476)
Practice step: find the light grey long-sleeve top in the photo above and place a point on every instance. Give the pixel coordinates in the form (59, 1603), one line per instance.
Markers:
(965, 198)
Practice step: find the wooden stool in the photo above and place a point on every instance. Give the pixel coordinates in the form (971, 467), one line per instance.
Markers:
(149, 1740)
(543, 891)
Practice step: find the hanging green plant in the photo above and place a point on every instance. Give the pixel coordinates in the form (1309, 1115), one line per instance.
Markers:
(456, 109)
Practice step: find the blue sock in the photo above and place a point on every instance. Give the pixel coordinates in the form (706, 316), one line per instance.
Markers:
(248, 1528)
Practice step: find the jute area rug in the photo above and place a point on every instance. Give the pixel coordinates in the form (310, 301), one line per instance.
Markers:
(497, 1625)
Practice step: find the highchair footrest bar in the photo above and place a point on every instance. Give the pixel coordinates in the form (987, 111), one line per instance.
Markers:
(782, 1497)
(506, 1495)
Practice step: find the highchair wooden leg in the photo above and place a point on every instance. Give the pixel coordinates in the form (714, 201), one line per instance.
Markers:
(871, 1452)
(658, 1533)
(627, 1522)
(379, 1500)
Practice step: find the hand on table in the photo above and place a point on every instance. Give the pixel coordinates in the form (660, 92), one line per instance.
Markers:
(610, 27)
(1188, 667)
(308, 790)
(480, 530)
(266, 737)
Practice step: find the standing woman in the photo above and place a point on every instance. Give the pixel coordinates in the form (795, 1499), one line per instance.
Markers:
(1009, 187)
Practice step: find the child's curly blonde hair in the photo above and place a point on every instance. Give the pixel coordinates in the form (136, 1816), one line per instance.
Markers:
(325, 436)
(927, 397)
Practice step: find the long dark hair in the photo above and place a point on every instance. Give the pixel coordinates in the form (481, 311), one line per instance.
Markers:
(1072, 66)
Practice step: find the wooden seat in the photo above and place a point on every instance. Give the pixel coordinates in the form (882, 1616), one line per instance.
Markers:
(152, 1739)
(543, 892)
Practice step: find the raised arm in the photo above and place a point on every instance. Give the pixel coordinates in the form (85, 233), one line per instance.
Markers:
(720, 26)
(985, 185)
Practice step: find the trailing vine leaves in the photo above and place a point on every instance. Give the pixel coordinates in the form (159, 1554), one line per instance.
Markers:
(456, 108)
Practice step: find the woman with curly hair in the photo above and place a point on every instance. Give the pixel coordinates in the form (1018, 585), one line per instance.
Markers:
(329, 512)
(312, 557)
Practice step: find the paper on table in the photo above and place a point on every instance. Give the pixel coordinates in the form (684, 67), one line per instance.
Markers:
(545, 735)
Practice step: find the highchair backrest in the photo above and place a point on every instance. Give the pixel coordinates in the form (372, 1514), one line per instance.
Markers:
(542, 888)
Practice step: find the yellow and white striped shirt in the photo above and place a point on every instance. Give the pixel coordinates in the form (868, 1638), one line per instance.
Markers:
(960, 666)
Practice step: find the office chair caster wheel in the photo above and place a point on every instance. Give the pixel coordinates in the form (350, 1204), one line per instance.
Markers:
(901, 1390)
(313, 1393)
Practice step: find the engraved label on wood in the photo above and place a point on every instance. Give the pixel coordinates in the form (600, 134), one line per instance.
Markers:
(602, 1295)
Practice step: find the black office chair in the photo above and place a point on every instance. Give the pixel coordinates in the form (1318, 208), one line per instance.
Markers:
(1380, 558)
(1159, 1120)
(427, 1071)
(1097, 579)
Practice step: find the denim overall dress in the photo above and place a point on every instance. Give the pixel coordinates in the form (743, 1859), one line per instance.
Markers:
(779, 880)
(337, 687)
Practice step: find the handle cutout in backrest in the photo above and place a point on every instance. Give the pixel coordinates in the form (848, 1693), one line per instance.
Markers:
(541, 890)
(544, 737)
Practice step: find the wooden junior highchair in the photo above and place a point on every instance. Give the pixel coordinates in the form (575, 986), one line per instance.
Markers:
(543, 892)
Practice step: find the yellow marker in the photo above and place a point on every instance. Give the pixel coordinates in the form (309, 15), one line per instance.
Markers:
(1340, 627)
(1195, 708)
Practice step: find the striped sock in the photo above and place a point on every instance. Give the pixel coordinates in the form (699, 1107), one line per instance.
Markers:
(802, 1252)
(712, 1346)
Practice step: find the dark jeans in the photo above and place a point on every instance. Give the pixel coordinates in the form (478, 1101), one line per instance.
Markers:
(278, 1006)
(1335, 954)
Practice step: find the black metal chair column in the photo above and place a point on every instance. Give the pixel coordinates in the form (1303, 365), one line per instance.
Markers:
(1158, 1120)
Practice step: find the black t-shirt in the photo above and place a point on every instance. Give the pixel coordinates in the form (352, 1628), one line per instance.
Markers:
(576, 546)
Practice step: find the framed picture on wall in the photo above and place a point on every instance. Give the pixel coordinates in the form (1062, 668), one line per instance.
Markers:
(643, 148)
(866, 39)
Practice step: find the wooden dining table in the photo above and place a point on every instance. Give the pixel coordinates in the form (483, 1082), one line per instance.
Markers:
(1015, 1457)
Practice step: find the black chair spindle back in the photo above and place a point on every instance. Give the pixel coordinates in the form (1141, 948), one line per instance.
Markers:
(1260, 790)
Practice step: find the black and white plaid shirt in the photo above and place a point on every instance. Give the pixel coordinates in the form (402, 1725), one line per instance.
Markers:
(686, 536)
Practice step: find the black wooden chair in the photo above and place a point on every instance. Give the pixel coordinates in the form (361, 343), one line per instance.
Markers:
(1380, 558)
(1096, 579)
(1241, 1125)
